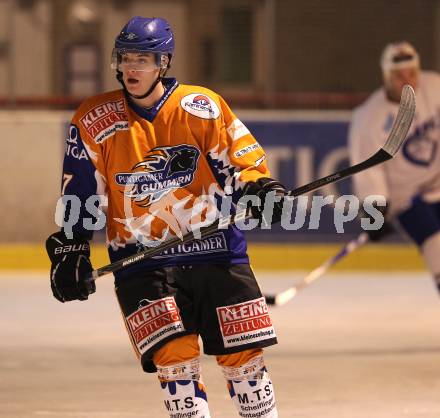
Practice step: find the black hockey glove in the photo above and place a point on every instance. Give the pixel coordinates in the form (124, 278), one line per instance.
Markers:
(271, 194)
(70, 267)
(386, 229)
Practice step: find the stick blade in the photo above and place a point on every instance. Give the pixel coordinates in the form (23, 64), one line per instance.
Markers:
(282, 298)
(270, 299)
(403, 121)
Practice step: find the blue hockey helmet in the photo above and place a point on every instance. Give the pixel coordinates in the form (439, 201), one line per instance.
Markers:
(143, 35)
(146, 35)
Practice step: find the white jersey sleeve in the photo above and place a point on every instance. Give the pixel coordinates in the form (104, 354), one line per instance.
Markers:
(365, 138)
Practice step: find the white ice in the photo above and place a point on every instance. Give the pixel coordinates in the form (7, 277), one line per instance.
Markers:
(350, 346)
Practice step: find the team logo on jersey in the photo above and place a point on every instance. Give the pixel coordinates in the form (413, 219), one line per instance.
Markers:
(420, 148)
(162, 170)
(104, 120)
(200, 105)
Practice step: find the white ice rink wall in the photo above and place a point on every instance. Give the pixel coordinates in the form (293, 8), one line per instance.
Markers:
(30, 166)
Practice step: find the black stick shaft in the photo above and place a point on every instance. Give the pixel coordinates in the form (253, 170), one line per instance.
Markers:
(223, 223)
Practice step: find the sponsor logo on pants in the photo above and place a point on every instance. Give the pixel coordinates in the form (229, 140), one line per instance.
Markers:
(152, 323)
(245, 323)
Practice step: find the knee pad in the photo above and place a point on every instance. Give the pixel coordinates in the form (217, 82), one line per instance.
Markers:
(178, 350)
(241, 366)
(187, 370)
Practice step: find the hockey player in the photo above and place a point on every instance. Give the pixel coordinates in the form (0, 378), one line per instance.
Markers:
(165, 156)
(410, 182)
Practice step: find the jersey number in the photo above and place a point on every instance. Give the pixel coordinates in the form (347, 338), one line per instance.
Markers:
(66, 180)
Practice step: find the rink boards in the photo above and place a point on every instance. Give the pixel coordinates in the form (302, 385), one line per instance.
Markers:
(391, 257)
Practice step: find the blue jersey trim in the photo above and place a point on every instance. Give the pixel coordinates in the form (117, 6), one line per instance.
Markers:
(170, 85)
(78, 179)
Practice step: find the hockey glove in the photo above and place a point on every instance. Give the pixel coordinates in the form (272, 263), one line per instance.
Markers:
(386, 229)
(270, 193)
(70, 267)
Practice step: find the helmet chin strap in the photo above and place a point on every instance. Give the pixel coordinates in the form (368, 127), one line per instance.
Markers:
(141, 96)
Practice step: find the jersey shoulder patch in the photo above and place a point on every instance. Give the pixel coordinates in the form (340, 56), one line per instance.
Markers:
(199, 102)
(101, 116)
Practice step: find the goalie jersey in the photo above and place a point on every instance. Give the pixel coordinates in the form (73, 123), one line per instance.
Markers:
(415, 169)
(160, 172)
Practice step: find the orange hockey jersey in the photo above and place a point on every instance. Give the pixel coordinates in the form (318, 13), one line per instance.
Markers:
(159, 171)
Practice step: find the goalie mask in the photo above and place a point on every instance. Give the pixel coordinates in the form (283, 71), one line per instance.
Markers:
(140, 37)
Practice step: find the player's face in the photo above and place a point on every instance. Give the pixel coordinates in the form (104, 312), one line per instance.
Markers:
(139, 71)
(395, 81)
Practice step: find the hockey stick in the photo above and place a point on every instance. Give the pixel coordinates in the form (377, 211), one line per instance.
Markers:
(394, 141)
(288, 294)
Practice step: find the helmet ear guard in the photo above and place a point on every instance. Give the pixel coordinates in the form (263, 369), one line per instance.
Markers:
(164, 62)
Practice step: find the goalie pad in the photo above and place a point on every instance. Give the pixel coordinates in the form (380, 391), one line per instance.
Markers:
(251, 389)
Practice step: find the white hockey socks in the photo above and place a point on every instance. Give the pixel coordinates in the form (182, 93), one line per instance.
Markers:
(251, 389)
(183, 390)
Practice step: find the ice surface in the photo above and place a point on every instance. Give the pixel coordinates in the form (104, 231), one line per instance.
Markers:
(350, 346)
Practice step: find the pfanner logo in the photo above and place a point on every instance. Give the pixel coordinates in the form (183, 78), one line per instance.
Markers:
(200, 105)
(162, 170)
(202, 102)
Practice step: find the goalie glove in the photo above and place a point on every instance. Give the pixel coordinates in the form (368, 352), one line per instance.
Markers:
(270, 193)
(70, 267)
